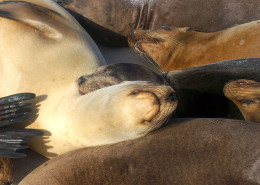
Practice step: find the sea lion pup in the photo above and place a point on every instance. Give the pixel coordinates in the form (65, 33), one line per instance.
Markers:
(111, 21)
(178, 48)
(11, 139)
(186, 151)
(246, 95)
(113, 74)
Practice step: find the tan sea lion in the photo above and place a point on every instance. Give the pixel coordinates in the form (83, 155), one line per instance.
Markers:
(112, 20)
(114, 74)
(62, 52)
(245, 94)
(12, 111)
(188, 151)
(178, 48)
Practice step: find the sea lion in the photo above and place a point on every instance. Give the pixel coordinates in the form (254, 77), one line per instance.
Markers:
(178, 48)
(186, 151)
(13, 111)
(199, 90)
(68, 119)
(245, 94)
(114, 74)
(111, 21)
(46, 52)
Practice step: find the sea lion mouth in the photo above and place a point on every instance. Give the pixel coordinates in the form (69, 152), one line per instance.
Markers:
(144, 55)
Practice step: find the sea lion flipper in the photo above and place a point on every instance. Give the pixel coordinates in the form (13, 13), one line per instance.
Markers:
(12, 140)
(35, 16)
(12, 110)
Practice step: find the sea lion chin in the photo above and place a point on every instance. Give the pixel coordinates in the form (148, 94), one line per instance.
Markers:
(246, 95)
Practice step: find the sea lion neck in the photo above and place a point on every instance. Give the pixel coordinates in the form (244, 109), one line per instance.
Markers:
(192, 43)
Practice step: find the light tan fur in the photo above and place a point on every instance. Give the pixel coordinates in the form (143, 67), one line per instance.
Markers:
(246, 95)
(178, 48)
(44, 52)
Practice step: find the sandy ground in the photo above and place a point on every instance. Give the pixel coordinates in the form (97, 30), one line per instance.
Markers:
(24, 166)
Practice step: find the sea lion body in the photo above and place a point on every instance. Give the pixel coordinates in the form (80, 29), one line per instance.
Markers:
(112, 20)
(178, 48)
(199, 89)
(245, 94)
(46, 52)
(114, 74)
(187, 151)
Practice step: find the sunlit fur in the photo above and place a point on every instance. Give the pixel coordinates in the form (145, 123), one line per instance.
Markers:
(35, 60)
(178, 48)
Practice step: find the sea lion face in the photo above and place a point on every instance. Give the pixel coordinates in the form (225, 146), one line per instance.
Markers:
(158, 44)
(246, 95)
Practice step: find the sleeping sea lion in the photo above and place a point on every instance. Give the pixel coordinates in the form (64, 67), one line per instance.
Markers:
(188, 151)
(178, 48)
(246, 95)
(111, 21)
(199, 90)
(114, 74)
(62, 52)
(13, 111)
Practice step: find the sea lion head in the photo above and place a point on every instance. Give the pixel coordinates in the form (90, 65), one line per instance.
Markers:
(246, 95)
(158, 45)
(125, 111)
(114, 74)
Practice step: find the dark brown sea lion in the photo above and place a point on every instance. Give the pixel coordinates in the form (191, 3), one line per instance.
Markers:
(178, 48)
(109, 19)
(188, 151)
(114, 74)
(246, 95)
(13, 110)
(200, 89)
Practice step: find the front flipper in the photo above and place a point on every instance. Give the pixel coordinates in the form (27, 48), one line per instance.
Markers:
(12, 110)
(12, 140)
(46, 21)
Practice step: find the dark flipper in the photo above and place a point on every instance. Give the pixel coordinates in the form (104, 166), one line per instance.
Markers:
(12, 140)
(12, 110)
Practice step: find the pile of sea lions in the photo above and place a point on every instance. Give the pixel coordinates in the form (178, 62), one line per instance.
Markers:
(177, 122)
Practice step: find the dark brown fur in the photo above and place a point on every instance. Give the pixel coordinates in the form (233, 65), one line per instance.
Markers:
(111, 20)
(114, 74)
(189, 151)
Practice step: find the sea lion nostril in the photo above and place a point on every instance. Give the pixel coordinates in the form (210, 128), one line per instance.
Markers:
(171, 97)
(81, 80)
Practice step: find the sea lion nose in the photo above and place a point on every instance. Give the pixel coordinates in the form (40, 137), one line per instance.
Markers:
(81, 80)
(171, 97)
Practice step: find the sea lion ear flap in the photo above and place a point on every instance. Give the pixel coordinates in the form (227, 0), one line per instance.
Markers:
(35, 16)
